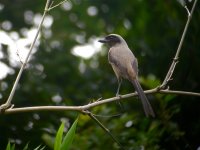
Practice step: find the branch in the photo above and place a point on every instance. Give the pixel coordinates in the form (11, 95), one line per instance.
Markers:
(104, 128)
(8, 104)
(179, 92)
(175, 60)
(93, 104)
(52, 7)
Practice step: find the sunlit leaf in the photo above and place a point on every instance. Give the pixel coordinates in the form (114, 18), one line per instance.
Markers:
(59, 135)
(69, 136)
(8, 146)
(13, 147)
(26, 147)
(39, 147)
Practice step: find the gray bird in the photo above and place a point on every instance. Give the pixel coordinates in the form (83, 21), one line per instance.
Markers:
(125, 66)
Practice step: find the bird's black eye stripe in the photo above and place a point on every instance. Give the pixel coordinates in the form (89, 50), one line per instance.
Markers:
(110, 37)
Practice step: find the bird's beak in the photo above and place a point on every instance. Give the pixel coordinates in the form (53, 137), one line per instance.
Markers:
(103, 41)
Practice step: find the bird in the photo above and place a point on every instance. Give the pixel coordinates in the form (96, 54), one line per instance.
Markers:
(125, 66)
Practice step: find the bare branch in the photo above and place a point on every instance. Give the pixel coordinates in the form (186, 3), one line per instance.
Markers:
(104, 128)
(52, 7)
(187, 10)
(8, 102)
(175, 60)
(94, 104)
(179, 92)
(20, 59)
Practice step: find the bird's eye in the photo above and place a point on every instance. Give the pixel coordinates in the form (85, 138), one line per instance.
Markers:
(111, 37)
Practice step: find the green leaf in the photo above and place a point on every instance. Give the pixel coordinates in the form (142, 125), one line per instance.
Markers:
(8, 146)
(26, 147)
(13, 147)
(42, 148)
(39, 147)
(69, 137)
(49, 140)
(59, 135)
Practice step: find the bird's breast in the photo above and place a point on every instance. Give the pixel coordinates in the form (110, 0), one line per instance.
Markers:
(121, 55)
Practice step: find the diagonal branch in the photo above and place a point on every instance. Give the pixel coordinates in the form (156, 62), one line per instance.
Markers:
(175, 60)
(104, 128)
(8, 104)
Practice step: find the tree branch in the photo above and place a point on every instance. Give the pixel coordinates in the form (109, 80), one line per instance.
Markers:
(104, 128)
(52, 7)
(8, 102)
(175, 60)
(97, 103)
(47, 8)
(93, 104)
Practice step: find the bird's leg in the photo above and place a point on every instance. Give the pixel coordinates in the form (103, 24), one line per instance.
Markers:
(119, 85)
(117, 94)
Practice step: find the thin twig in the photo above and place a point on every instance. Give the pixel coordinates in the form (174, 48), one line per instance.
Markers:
(52, 7)
(179, 92)
(8, 102)
(94, 104)
(20, 59)
(175, 60)
(104, 128)
(187, 10)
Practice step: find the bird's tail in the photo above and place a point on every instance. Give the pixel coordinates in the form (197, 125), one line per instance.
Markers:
(145, 102)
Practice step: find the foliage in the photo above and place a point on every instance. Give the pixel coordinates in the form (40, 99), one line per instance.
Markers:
(12, 147)
(55, 76)
(59, 143)
(59, 135)
(67, 141)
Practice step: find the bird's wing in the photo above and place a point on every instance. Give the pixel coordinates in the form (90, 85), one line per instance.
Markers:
(135, 65)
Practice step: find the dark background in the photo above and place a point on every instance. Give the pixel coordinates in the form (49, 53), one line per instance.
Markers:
(151, 28)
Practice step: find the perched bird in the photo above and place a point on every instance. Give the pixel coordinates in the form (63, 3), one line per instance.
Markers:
(125, 66)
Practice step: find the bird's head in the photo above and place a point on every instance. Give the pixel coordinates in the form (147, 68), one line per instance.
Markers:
(112, 40)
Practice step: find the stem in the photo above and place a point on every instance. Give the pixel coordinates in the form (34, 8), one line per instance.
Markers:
(175, 60)
(8, 102)
(94, 104)
(104, 128)
(52, 7)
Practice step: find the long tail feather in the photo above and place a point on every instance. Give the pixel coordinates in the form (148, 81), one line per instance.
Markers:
(145, 102)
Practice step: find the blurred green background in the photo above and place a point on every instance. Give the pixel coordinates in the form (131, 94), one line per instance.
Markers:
(56, 76)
